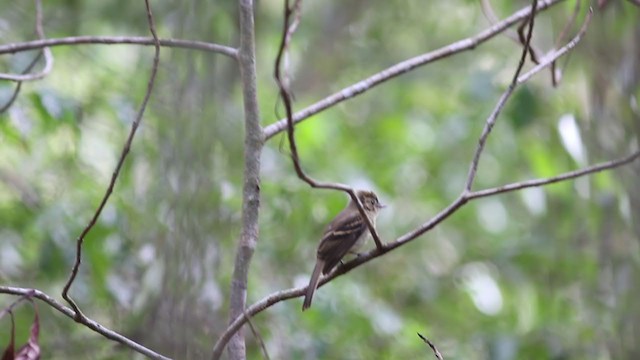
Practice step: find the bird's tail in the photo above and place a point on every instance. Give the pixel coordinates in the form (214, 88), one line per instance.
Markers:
(313, 284)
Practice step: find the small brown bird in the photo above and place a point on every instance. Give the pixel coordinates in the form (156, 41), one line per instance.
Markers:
(345, 234)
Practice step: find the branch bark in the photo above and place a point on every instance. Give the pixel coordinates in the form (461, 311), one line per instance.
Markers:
(253, 142)
(115, 40)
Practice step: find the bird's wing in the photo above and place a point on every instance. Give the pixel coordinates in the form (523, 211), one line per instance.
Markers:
(340, 236)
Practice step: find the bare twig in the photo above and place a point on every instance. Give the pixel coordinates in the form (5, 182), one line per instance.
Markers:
(253, 143)
(517, 36)
(569, 24)
(562, 177)
(115, 40)
(10, 307)
(522, 39)
(16, 90)
(404, 67)
(91, 324)
(257, 335)
(437, 353)
(503, 100)
(116, 172)
(549, 59)
(556, 74)
(48, 57)
(290, 26)
(462, 199)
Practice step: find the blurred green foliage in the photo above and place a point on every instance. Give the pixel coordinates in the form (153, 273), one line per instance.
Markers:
(547, 273)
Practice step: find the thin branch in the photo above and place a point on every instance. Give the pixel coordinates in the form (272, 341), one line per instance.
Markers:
(48, 57)
(406, 66)
(290, 26)
(116, 172)
(115, 40)
(9, 308)
(549, 59)
(503, 100)
(462, 199)
(18, 87)
(91, 324)
(253, 143)
(258, 337)
(516, 36)
(556, 74)
(437, 353)
(566, 176)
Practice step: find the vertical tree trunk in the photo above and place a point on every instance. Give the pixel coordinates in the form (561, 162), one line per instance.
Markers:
(253, 143)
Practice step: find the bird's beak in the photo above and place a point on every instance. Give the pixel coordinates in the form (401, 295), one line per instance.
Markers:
(381, 206)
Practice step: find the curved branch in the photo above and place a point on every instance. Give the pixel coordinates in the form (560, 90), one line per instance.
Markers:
(116, 172)
(48, 57)
(18, 87)
(114, 40)
(91, 324)
(289, 28)
(406, 66)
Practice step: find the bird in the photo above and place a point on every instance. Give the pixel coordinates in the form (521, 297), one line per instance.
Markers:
(346, 233)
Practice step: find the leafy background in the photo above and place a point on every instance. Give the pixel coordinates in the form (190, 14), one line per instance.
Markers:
(547, 273)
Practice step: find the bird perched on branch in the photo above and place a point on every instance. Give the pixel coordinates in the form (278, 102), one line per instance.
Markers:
(345, 234)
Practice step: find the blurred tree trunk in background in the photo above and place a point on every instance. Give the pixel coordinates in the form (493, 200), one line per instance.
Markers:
(614, 120)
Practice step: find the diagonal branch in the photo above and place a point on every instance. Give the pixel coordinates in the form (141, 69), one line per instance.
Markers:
(91, 324)
(290, 26)
(562, 177)
(400, 68)
(258, 337)
(116, 172)
(433, 347)
(48, 57)
(556, 74)
(459, 202)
